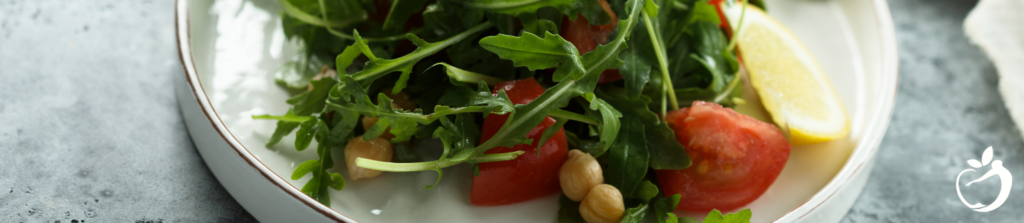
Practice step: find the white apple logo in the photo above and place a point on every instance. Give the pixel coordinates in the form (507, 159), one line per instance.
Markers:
(1005, 179)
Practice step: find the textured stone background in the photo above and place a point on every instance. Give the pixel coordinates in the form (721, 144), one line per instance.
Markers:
(90, 129)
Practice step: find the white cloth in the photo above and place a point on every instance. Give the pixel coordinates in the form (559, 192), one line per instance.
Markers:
(997, 26)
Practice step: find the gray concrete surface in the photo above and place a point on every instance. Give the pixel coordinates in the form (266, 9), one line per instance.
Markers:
(948, 110)
(89, 124)
(90, 130)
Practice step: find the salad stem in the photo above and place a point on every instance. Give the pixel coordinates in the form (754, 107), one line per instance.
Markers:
(662, 61)
(495, 157)
(283, 118)
(370, 39)
(403, 167)
(736, 32)
(663, 98)
(432, 165)
(559, 113)
(728, 89)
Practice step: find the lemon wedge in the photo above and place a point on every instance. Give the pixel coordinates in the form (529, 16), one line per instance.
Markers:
(792, 85)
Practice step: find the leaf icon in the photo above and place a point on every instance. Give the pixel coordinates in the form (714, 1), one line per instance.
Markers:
(986, 157)
(974, 163)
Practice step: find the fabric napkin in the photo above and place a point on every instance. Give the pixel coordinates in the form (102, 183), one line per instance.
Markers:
(997, 26)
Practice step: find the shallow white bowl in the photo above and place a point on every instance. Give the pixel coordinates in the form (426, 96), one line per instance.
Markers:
(230, 49)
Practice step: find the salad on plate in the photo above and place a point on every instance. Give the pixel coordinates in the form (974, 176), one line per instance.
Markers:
(623, 108)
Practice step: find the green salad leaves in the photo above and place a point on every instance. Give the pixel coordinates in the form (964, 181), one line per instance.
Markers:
(446, 54)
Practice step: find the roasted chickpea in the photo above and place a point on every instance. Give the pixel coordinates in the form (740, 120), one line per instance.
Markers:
(400, 100)
(602, 205)
(377, 149)
(579, 174)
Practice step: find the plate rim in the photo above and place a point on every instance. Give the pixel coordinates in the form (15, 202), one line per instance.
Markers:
(183, 36)
(889, 67)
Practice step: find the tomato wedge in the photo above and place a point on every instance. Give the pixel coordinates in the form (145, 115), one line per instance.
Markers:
(735, 158)
(528, 176)
(586, 38)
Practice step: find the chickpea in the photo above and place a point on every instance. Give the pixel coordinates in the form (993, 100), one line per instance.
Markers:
(579, 174)
(400, 100)
(602, 205)
(377, 149)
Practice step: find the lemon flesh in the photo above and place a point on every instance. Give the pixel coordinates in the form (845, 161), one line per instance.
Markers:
(791, 84)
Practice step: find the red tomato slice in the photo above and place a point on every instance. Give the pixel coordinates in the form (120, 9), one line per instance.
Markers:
(586, 38)
(529, 176)
(735, 158)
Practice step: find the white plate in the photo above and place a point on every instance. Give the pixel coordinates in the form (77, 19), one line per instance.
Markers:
(230, 49)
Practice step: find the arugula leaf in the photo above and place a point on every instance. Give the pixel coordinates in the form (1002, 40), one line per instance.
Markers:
(461, 135)
(302, 105)
(713, 78)
(460, 76)
(400, 11)
(550, 131)
(350, 96)
(535, 25)
(305, 134)
(458, 138)
(328, 138)
(377, 67)
(305, 168)
(317, 187)
(283, 128)
(464, 97)
(645, 191)
(543, 53)
(609, 122)
(525, 117)
(709, 45)
(587, 146)
(663, 212)
(627, 158)
(343, 13)
(345, 59)
(716, 216)
(312, 101)
(702, 11)
(355, 100)
(635, 215)
(665, 151)
(663, 208)
(635, 70)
